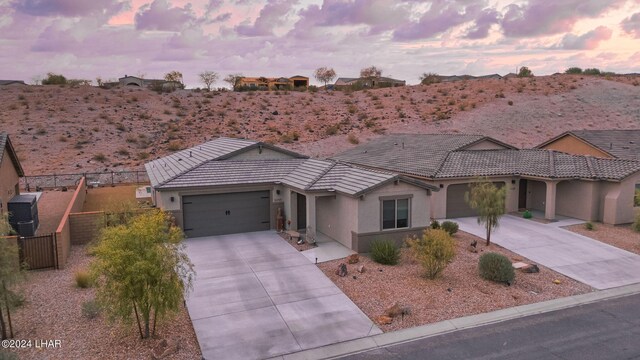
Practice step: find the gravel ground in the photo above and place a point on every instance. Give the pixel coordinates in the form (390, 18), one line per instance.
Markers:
(620, 236)
(458, 292)
(53, 311)
(304, 246)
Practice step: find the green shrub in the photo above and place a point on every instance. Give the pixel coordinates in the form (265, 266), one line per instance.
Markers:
(636, 198)
(496, 267)
(90, 309)
(636, 224)
(589, 226)
(435, 224)
(527, 214)
(450, 226)
(433, 250)
(83, 279)
(385, 252)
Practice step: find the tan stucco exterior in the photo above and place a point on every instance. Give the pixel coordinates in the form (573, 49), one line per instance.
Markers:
(9, 180)
(572, 145)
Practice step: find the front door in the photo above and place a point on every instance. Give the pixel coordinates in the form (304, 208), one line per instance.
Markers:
(302, 211)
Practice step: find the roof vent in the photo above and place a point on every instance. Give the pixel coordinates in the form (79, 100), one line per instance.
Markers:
(403, 144)
(610, 146)
(189, 153)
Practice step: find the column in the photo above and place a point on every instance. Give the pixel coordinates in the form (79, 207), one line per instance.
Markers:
(550, 201)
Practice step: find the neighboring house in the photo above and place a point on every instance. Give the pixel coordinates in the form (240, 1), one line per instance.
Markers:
(149, 83)
(610, 144)
(370, 82)
(556, 183)
(233, 185)
(264, 83)
(10, 172)
(12, 83)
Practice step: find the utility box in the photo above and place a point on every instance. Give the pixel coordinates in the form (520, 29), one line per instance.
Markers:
(23, 214)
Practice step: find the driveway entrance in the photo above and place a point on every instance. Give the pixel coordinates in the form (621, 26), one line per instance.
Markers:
(256, 297)
(589, 261)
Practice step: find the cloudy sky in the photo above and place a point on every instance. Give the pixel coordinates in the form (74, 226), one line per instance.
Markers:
(110, 38)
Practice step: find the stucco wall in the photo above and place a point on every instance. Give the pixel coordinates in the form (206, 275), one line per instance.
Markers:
(370, 207)
(8, 180)
(578, 199)
(616, 206)
(337, 217)
(571, 145)
(439, 199)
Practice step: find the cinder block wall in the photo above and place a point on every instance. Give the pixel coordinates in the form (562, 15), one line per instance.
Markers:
(63, 234)
(85, 226)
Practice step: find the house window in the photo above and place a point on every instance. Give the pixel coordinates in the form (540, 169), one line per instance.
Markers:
(395, 213)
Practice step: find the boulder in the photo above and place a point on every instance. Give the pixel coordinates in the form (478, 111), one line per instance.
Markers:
(473, 246)
(530, 269)
(353, 259)
(396, 310)
(165, 348)
(361, 269)
(342, 270)
(384, 320)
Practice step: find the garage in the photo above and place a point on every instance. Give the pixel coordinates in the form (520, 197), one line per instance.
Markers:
(220, 214)
(457, 205)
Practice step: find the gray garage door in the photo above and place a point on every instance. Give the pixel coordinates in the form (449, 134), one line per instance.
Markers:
(220, 214)
(456, 204)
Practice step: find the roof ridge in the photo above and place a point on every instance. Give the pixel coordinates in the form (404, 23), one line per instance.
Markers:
(590, 166)
(552, 164)
(321, 175)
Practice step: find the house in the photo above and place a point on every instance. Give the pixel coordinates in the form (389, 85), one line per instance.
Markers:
(609, 144)
(264, 83)
(234, 185)
(12, 83)
(370, 82)
(149, 83)
(10, 172)
(578, 186)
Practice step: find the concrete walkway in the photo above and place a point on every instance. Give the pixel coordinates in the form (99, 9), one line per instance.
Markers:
(581, 258)
(256, 297)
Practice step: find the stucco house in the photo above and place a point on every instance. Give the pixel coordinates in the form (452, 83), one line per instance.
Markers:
(265, 83)
(579, 186)
(372, 82)
(12, 83)
(10, 172)
(128, 80)
(229, 186)
(609, 144)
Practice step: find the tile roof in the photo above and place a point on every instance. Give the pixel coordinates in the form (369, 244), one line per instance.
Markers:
(413, 154)
(534, 162)
(623, 144)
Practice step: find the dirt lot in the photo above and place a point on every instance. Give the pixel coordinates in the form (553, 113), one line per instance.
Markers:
(102, 198)
(458, 292)
(53, 311)
(620, 236)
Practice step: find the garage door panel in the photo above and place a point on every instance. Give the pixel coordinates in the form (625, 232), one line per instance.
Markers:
(219, 214)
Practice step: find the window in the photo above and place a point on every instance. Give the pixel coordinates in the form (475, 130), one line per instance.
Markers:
(395, 213)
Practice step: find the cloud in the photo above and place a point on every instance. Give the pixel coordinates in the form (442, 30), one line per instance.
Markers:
(587, 41)
(70, 8)
(271, 16)
(160, 15)
(631, 25)
(483, 23)
(440, 17)
(544, 17)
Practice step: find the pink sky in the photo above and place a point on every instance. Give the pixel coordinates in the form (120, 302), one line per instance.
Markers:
(110, 38)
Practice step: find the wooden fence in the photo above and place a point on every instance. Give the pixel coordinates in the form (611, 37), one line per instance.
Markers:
(36, 252)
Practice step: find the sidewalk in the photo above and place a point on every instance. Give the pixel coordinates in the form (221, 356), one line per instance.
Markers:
(443, 327)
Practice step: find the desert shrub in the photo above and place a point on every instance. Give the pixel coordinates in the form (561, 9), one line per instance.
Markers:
(83, 279)
(496, 267)
(636, 198)
(174, 146)
(573, 70)
(433, 250)
(435, 224)
(525, 72)
(54, 79)
(100, 157)
(385, 252)
(332, 130)
(353, 139)
(589, 225)
(90, 309)
(527, 214)
(510, 102)
(450, 226)
(591, 71)
(636, 223)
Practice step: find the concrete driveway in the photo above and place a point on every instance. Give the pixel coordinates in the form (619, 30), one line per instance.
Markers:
(257, 297)
(589, 261)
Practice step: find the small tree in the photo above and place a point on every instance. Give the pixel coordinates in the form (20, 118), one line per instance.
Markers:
(324, 75)
(54, 79)
(433, 250)
(233, 80)
(489, 200)
(10, 273)
(429, 78)
(525, 72)
(370, 72)
(141, 269)
(573, 70)
(208, 78)
(174, 77)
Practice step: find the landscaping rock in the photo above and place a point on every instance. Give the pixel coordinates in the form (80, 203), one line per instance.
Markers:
(384, 320)
(473, 246)
(361, 269)
(530, 269)
(342, 270)
(353, 259)
(165, 348)
(396, 310)
(519, 265)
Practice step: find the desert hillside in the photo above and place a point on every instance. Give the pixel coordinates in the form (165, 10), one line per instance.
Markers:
(82, 129)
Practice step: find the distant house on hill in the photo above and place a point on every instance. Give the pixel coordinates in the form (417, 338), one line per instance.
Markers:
(369, 82)
(149, 83)
(280, 83)
(453, 78)
(12, 83)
